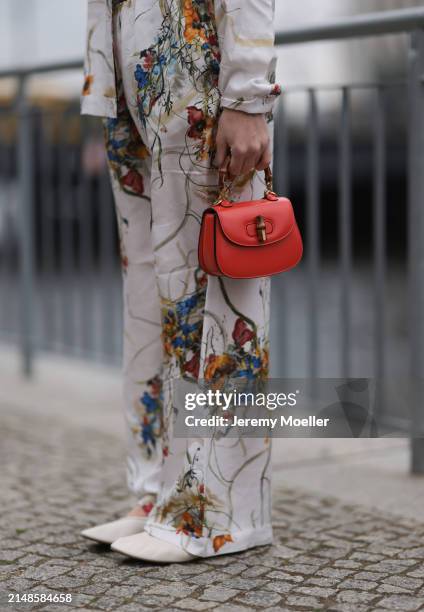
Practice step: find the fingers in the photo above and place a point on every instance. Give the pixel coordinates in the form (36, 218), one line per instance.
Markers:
(221, 151)
(245, 138)
(224, 167)
(265, 159)
(236, 162)
(255, 155)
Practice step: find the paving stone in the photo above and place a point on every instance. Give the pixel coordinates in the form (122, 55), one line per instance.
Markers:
(370, 576)
(106, 603)
(230, 607)
(402, 602)
(312, 603)
(217, 593)
(354, 597)
(334, 572)
(286, 576)
(43, 572)
(278, 586)
(365, 556)
(178, 589)
(347, 564)
(303, 569)
(234, 568)
(195, 604)
(139, 580)
(404, 581)
(261, 599)
(316, 591)
(254, 571)
(390, 588)
(348, 607)
(206, 579)
(243, 584)
(361, 585)
(8, 556)
(392, 566)
(125, 591)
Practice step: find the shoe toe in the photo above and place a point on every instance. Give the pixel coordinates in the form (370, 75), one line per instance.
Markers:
(109, 532)
(96, 534)
(128, 545)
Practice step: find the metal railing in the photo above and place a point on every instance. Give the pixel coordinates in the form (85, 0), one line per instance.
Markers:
(322, 338)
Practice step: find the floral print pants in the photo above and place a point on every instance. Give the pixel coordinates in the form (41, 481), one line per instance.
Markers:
(213, 494)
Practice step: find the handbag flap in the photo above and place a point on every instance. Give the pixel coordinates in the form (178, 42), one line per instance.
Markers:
(239, 221)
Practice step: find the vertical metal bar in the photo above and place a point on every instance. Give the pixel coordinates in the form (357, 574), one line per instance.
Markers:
(416, 230)
(3, 234)
(26, 228)
(279, 293)
(46, 230)
(379, 226)
(66, 162)
(312, 215)
(9, 259)
(345, 225)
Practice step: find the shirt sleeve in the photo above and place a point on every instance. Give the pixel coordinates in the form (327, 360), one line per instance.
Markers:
(248, 56)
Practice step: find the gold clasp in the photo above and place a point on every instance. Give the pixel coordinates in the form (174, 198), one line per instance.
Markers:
(261, 228)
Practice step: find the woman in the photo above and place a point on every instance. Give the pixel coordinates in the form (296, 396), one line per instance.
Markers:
(185, 87)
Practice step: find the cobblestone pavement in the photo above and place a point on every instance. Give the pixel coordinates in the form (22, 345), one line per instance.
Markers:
(56, 480)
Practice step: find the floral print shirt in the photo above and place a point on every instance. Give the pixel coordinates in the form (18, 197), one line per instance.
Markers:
(244, 33)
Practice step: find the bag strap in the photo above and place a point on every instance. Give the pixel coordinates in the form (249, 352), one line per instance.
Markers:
(226, 183)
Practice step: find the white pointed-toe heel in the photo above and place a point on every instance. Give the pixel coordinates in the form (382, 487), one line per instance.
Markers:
(109, 532)
(147, 548)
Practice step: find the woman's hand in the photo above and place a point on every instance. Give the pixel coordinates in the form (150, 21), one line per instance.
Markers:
(245, 138)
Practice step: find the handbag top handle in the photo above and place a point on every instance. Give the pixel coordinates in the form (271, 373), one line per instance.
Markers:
(226, 183)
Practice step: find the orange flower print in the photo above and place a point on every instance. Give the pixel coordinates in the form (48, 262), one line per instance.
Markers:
(218, 365)
(190, 525)
(220, 540)
(192, 28)
(88, 81)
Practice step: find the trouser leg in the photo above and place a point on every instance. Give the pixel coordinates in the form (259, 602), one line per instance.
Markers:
(215, 494)
(130, 164)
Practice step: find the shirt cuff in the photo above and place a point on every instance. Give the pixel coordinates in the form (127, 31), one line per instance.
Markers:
(255, 105)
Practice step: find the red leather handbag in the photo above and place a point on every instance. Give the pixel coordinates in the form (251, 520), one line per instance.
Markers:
(249, 239)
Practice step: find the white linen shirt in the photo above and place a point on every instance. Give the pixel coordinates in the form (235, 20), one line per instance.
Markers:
(245, 32)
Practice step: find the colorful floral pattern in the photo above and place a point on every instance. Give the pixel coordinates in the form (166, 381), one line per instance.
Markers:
(125, 150)
(182, 325)
(186, 508)
(186, 53)
(148, 407)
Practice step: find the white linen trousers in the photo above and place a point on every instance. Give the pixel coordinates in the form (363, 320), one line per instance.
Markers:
(214, 494)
